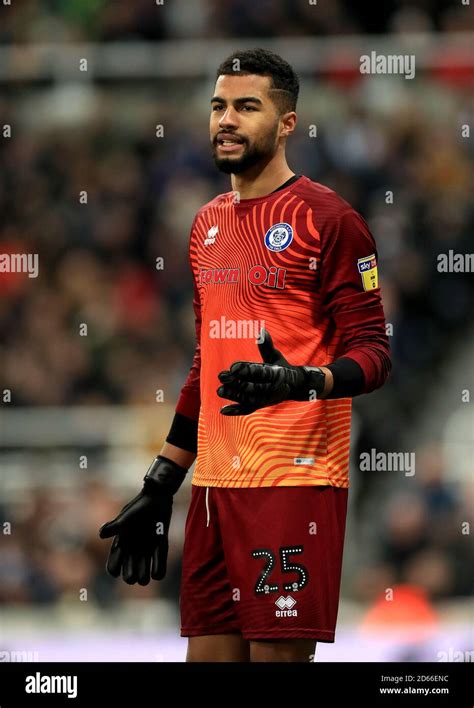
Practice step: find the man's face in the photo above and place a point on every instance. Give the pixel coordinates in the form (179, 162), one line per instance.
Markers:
(244, 124)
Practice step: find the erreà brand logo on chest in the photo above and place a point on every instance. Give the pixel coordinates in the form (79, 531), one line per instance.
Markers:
(272, 277)
(278, 237)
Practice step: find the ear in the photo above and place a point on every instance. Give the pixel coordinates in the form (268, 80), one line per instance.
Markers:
(288, 124)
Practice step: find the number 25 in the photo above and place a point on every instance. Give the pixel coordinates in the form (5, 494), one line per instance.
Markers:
(263, 586)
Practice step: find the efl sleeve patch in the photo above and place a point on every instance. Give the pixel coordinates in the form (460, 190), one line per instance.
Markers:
(368, 272)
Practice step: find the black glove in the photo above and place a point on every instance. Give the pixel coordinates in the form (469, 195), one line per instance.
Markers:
(141, 528)
(256, 385)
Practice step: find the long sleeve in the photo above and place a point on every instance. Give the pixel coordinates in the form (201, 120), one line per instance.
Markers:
(189, 401)
(351, 296)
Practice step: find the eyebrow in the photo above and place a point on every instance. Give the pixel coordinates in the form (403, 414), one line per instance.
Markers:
(244, 99)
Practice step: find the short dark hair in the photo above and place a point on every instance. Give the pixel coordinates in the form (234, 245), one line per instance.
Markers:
(284, 85)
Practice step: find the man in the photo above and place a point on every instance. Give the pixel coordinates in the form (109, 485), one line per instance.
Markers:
(288, 260)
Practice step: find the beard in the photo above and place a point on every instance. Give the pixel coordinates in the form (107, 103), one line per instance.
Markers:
(260, 152)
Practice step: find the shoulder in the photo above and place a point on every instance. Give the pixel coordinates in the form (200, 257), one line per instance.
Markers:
(330, 212)
(220, 201)
(323, 200)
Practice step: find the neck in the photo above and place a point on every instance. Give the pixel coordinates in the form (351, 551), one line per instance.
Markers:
(261, 180)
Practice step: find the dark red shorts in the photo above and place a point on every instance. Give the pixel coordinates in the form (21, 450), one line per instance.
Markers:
(263, 562)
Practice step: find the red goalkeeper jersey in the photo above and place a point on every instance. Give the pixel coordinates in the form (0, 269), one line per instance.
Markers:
(303, 264)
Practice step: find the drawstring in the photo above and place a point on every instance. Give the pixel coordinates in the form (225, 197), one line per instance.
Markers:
(207, 506)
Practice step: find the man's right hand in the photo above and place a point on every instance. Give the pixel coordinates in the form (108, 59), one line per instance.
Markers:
(140, 547)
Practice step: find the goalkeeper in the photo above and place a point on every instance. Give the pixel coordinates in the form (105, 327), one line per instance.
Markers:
(285, 261)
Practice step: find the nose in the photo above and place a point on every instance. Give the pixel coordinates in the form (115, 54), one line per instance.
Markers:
(228, 118)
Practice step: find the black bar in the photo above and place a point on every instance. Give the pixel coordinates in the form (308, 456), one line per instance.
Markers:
(314, 684)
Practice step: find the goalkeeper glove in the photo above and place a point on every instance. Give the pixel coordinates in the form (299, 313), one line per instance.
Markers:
(256, 386)
(141, 528)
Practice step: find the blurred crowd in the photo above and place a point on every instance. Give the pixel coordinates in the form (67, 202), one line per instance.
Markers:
(54, 555)
(107, 322)
(423, 528)
(416, 535)
(101, 324)
(112, 20)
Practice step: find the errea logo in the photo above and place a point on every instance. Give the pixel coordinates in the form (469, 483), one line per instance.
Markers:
(211, 236)
(285, 605)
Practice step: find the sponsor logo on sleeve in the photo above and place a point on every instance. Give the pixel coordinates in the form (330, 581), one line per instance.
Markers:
(368, 272)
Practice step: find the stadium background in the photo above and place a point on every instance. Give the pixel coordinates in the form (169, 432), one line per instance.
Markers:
(84, 422)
